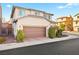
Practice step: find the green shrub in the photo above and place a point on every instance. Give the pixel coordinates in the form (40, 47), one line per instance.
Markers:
(59, 33)
(2, 40)
(20, 36)
(52, 32)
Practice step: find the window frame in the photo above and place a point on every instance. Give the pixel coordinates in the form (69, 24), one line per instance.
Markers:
(22, 12)
(37, 13)
(77, 16)
(76, 22)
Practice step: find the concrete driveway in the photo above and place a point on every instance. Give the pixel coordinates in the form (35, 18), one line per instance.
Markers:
(65, 47)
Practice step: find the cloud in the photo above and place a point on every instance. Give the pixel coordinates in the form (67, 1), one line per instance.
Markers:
(68, 5)
(60, 7)
(8, 6)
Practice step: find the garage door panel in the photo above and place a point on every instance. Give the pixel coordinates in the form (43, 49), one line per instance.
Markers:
(33, 32)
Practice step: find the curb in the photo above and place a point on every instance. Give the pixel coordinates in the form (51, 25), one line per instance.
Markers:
(25, 44)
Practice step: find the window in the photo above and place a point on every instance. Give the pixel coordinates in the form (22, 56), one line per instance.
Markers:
(61, 18)
(4, 31)
(49, 17)
(22, 13)
(76, 22)
(36, 13)
(78, 29)
(77, 16)
(45, 16)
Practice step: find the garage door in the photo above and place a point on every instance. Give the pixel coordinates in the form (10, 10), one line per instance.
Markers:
(34, 32)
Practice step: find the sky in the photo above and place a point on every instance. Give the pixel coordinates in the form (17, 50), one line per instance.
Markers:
(58, 9)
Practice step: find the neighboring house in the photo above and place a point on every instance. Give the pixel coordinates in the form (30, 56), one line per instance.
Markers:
(0, 18)
(76, 22)
(33, 22)
(67, 21)
(6, 29)
(3, 26)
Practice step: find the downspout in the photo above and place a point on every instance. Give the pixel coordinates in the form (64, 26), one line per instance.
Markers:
(14, 27)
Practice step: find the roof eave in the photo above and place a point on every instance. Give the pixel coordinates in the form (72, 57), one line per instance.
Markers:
(33, 9)
(12, 12)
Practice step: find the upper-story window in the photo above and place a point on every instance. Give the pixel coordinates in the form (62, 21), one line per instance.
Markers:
(61, 18)
(47, 16)
(22, 12)
(37, 14)
(77, 16)
(76, 22)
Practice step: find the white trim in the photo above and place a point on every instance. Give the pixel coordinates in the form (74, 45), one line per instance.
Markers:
(47, 30)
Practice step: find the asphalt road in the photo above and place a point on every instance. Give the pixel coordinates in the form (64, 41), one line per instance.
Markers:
(68, 47)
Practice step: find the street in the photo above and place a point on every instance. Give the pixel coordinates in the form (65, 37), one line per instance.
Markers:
(68, 47)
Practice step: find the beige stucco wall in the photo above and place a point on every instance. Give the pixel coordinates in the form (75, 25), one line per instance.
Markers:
(74, 24)
(75, 28)
(41, 14)
(28, 12)
(61, 20)
(16, 12)
(32, 13)
(33, 21)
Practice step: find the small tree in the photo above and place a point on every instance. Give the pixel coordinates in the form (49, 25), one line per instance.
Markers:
(59, 33)
(20, 36)
(62, 27)
(52, 32)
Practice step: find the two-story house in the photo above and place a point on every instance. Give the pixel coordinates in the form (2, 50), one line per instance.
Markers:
(33, 22)
(76, 22)
(67, 21)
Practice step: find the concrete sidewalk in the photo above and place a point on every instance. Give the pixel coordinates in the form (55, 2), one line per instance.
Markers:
(34, 42)
(71, 32)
